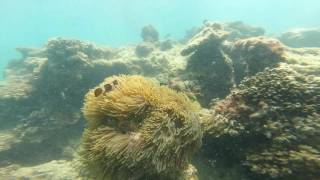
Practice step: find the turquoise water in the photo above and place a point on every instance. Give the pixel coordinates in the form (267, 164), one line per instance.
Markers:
(118, 22)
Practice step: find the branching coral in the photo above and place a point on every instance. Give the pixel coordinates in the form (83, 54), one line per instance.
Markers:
(138, 129)
(274, 118)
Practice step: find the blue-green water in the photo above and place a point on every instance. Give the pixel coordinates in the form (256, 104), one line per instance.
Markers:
(211, 99)
(118, 22)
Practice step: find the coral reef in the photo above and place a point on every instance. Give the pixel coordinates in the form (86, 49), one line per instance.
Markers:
(72, 59)
(42, 94)
(237, 30)
(240, 30)
(259, 114)
(135, 125)
(149, 34)
(274, 119)
(15, 92)
(208, 65)
(254, 54)
(166, 45)
(301, 38)
(30, 52)
(218, 58)
(143, 50)
(41, 98)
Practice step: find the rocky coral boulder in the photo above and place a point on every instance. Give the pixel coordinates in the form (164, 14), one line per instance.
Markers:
(237, 29)
(240, 30)
(149, 34)
(273, 117)
(210, 35)
(41, 97)
(301, 38)
(253, 55)
(208, 66)
(43, 92)
(143, 50)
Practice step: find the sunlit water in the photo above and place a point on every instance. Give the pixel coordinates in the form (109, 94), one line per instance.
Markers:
(118, 22)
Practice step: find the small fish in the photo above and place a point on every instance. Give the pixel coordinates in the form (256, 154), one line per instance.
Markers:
(107, 88)
(97, 92)
(63, 95)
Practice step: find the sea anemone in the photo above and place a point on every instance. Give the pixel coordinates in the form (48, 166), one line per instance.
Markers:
(138, 129)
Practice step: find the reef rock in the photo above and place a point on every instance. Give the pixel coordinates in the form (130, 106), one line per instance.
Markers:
(208, 66)
(143, 50)
(149, 34)
(40, 97)
(240, 30)
(253, 55)
(301, 38)
(273, 117)
(237, 30)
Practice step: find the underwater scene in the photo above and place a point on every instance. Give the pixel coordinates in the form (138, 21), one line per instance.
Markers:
(159, 90)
